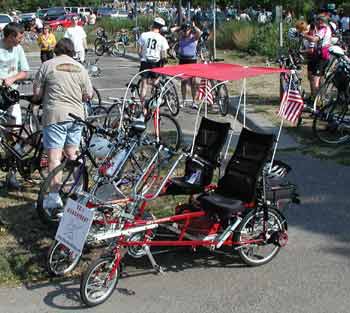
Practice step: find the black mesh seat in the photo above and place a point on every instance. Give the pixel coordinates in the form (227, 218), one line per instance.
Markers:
(199, 168)
(239, 183)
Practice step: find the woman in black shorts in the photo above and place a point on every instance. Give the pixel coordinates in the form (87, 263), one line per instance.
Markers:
(188, 40)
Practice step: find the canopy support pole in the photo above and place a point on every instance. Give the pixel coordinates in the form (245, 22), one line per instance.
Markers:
(199, 110)
(283, 106)
(244, 101)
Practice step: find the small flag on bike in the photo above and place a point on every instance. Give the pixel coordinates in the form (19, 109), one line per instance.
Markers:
(292, 105)
(203, 90)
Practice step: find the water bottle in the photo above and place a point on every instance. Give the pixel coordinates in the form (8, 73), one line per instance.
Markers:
(116, 161)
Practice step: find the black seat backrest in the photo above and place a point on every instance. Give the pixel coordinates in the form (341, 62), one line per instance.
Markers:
(210, 139)
(244, 168)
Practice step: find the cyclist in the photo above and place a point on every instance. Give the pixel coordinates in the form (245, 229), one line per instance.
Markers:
(152, 51)
(320, 57)
(63, 84)
(13, 67)
(189, 35)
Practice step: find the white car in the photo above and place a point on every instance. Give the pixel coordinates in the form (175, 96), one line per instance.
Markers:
(4, 20)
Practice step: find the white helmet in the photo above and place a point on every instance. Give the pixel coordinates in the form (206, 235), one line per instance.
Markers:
(99, 146)
(293, 33)
(159, 21)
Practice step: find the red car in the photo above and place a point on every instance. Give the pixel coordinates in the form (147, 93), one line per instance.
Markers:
(63, 22)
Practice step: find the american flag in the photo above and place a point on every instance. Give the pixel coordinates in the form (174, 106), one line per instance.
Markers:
(204, 89)
(292, 103)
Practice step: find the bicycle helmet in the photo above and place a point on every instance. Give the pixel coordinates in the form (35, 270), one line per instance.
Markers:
(186, 26)
(9, 96)
(158, 22)
(293, 34)
(99, 146)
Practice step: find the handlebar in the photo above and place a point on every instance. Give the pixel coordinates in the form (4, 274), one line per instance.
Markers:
(91, 126)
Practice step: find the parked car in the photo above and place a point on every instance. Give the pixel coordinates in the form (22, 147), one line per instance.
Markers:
(26, 19)
(54, 13)
(4, 20)
(107, 12)
(41, 13)
(63, 22)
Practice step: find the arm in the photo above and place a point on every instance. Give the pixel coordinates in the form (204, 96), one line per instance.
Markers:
(38, 85)
(19, 76)
(197, 33)
(310, 37)
(175, 29)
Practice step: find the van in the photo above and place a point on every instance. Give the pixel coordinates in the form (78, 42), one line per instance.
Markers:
(54, 13)
(80, 10)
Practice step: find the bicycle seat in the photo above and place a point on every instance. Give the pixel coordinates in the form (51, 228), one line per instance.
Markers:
(138, 126)
(220, 204)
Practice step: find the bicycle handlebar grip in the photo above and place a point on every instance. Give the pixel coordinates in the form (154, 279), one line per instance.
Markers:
(77, 118)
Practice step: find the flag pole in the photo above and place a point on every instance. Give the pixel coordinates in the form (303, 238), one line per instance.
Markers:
(282, 120)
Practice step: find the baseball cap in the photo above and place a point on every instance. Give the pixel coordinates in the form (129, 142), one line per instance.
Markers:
(159, 21)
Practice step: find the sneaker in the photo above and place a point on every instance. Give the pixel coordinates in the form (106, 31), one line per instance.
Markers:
(194, 106)
(12, 182)
(182, 104)
(52, 201)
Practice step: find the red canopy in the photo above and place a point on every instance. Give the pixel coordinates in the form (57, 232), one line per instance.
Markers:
(217, 71)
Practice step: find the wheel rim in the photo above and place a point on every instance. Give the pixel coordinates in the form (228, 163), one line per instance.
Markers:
(253, 229)
(62, 260)
(99, 286)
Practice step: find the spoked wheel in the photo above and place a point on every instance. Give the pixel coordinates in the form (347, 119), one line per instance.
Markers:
(171, 99)
(170, 133)
(96, 96)
(204, 54)
(113, 115)
(172, 52)
(118, 50)
(61, 260)
(252, 228)
(99, 49)
(98, 282)
(327, 94)
(222, 99)
(98, 116)
(331, 125)
(74, 178)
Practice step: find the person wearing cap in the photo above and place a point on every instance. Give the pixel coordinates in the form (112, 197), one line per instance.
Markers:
(189, 35)
(77, 34)
(152, 49)
(319, 60)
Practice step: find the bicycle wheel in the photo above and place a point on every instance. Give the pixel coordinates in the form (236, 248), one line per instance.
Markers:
(331, 124)
(204, 54)
(252, 228)
(98, 116)
(222, 99)
(74, 179)
(118, 50)
(96, 97)
(170, 133)
(113, 115)
(99, 49)
(97, 42)
(171, 99)
(61, 260)
(98, 282)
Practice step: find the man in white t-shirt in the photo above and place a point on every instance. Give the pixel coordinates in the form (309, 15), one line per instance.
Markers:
(152, 51)
(77, 34)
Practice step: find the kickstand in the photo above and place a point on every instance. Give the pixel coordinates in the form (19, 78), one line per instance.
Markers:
(155, 266)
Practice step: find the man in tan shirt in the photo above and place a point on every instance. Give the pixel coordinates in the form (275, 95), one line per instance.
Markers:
(63, 85)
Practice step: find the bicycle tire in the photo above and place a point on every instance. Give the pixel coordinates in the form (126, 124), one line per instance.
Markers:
(96, 97)
(222, 99)
(97, 41)
(100, 49)
(65, 259)
(251, 230)
(331, 126)
(113, 115)
(170, 131)
(171, 98)
(99, 266)
(118, 49)
(68, 187)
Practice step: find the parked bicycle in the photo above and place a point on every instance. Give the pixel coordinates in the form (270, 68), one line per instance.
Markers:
(104, 45)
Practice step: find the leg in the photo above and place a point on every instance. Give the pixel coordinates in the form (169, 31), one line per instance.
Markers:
(143, 90)
(193, 89)
(183, 90)
(54, 159)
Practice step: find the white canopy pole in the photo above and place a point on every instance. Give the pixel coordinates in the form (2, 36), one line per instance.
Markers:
(125, 95)
(199, 110)
(244, 101)
(283, 105)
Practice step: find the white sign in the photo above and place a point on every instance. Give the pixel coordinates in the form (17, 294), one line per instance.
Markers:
(74, 226)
